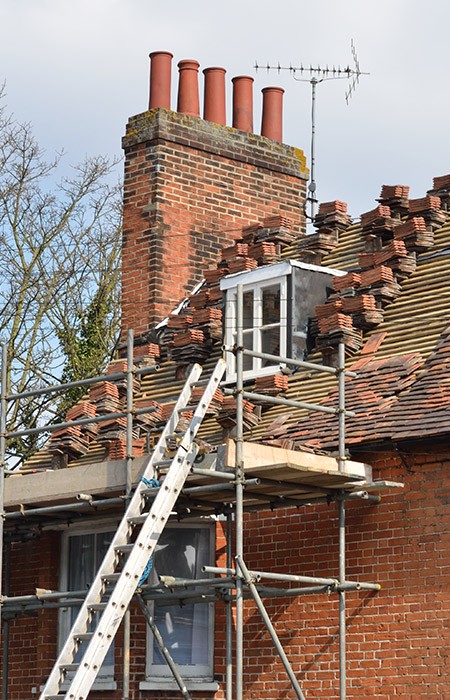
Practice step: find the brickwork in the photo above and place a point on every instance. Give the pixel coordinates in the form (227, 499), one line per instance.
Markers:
(34, 564)
(398, 639)
(189, 187)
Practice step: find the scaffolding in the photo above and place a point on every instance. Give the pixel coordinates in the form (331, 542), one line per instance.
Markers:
(233, 583)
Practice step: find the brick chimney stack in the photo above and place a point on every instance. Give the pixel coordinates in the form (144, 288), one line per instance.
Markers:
(189, 179)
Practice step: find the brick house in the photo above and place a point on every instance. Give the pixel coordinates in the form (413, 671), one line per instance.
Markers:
(203, 201)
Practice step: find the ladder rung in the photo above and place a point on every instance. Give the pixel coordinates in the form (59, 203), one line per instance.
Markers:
(69, 667)
(162, 463)
(138, 519)
(55, 697)
(148, 492)
(199, 382)
(83, 636)
(111, 577)
(124, 548)
(97, 607)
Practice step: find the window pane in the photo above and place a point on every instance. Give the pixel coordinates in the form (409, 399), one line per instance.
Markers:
(181, 552)
(81, 562)
(86, 552)
(248, 345)
(271, 304)
(248, 309)
(270, 341)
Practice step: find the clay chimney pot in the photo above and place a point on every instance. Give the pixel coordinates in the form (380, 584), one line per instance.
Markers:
(272, 113)
(214, 107)
(188, 101)
(160, 77)
(243, 103)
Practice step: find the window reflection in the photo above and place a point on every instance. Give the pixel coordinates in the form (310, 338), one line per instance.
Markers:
(271, 304)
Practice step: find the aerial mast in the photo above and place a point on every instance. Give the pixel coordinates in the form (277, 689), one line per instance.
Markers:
(314, 75)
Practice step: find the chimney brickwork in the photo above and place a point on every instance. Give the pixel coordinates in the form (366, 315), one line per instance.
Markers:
(186, 181)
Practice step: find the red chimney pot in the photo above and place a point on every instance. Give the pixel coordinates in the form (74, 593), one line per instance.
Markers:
(188, 102)
(243, 103)
(214, 108)
(160, 77)
(272, 113)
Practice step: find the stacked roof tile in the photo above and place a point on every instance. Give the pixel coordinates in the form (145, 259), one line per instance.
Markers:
(392, 307)
(393, 235)
(415, 234)
(190, 334)
(370, 395)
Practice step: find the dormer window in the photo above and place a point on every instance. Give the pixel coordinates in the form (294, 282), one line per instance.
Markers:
(264, 324)
(278, 301)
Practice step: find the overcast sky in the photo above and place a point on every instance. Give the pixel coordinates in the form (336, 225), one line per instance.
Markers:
(77, 69)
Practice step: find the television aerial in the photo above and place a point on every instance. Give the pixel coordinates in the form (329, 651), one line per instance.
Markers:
(314, 75)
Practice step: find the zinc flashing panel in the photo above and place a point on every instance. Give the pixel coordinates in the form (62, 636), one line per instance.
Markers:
(308, 290)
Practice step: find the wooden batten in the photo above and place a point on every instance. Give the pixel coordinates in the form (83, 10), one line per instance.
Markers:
(279, 463)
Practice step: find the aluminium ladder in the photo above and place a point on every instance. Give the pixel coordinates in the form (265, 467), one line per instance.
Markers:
(103, 609)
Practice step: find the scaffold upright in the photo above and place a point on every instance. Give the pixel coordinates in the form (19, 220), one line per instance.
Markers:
(232, 584)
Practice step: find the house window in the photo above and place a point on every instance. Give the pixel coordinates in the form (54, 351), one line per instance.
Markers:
(279, 300)
(187, 630)
(264, 325)
(82, 553)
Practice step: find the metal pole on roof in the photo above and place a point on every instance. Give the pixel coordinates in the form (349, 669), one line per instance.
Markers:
(59, 388)
(342, 457)
(239, 517)
(289, 361)
(312, 199)
(280, 401)
(341, 406)
(229, 618)
(129, 486)
(129, 412)
(3, 404)
(79, 421)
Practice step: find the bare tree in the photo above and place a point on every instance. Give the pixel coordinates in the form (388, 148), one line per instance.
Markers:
(59, 272)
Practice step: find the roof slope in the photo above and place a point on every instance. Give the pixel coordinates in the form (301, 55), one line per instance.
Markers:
(402, 390)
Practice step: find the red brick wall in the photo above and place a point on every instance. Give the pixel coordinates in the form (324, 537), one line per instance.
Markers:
(33, 637)
(398, 639)
(34, 564)
(189, 187)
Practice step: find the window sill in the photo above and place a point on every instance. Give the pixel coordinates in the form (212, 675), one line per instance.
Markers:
(169, 684)
(249, 375)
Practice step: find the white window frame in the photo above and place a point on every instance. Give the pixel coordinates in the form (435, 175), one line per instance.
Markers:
(266, 278)
(105, 678)
(197, 676)
(257, 279)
